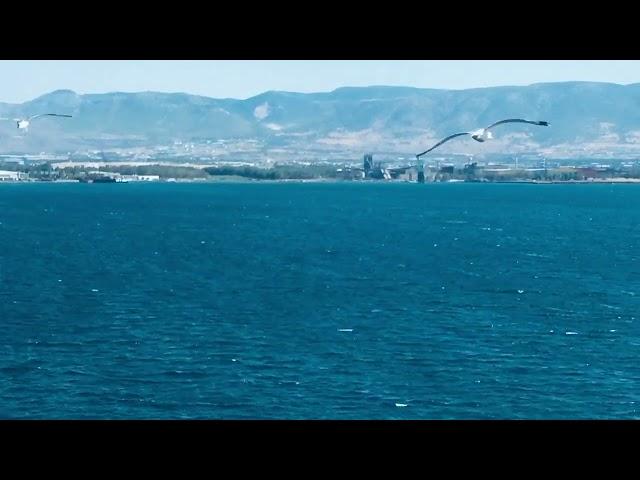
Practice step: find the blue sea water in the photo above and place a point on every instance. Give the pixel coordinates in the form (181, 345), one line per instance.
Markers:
(319, 301)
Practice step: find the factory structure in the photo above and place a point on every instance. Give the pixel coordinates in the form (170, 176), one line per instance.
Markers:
(421, 172)
(472, 171)
(418, 172)
(375, 170)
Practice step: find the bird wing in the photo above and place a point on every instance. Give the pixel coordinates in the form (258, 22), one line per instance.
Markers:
(443, 141)
(518, 120)
(33, 117)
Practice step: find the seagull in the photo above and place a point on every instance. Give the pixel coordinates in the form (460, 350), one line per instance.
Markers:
(484, 134)
(23, 124)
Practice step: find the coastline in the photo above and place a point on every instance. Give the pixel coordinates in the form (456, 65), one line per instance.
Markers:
(333, 180)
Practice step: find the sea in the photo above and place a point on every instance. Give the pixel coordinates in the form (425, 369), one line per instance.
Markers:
(350, 300)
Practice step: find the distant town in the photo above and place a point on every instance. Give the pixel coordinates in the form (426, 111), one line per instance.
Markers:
(101, 168)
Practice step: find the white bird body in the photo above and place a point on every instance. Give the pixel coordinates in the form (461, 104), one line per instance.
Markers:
(481, 135)
(484, 134)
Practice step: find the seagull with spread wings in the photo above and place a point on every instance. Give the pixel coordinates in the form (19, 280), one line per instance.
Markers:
(484, 134)
(23, 124)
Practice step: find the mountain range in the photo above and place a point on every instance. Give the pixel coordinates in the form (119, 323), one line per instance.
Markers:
(585, 118)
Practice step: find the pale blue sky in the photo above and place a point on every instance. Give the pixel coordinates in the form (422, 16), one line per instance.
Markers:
(22, 80)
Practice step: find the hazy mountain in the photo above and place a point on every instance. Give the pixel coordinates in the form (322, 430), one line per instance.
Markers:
(584, 116)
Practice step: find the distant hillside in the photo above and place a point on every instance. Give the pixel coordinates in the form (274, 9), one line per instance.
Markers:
(585, 117)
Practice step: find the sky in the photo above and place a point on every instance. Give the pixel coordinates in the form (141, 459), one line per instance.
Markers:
(22, 80)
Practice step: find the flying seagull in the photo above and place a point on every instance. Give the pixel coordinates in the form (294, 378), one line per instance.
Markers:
(484, 134)
(23, 124)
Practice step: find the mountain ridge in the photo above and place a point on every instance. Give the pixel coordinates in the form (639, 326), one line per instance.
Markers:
(594, 116)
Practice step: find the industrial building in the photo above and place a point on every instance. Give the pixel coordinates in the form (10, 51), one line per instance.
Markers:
(375, 171)
(9, 176)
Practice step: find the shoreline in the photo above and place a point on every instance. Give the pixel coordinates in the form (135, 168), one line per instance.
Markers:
(330, 180)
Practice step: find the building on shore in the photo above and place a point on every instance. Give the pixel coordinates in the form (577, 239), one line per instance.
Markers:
(10, 176)
(148, 178)
(377, 171)
(348, 173)
(409, 174)
(374, 170)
